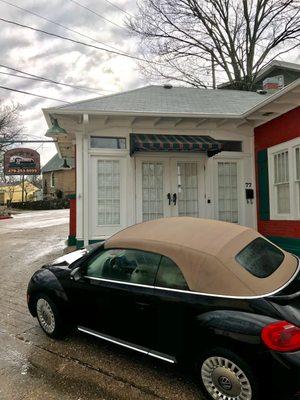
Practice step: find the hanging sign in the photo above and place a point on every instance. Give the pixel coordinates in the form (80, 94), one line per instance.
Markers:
(22, 162)
(274, 83)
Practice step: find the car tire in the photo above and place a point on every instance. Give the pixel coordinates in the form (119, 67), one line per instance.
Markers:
(49, 317)
(224, 375)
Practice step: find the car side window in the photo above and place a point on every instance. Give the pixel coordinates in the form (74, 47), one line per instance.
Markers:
(170, 276)
(133, 266)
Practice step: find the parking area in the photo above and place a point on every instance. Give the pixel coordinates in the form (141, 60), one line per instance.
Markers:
(33, 366)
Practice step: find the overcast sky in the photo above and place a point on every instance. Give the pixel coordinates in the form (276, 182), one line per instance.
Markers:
(63, 61)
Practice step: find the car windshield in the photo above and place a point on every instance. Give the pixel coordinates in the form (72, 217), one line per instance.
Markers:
(70, 258)
(261, 258)
(86, 252)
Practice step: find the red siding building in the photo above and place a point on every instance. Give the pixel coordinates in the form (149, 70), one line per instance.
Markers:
(277, 151)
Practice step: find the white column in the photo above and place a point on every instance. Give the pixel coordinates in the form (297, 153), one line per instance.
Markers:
(253, 161)
(79, 185)
(85, 152)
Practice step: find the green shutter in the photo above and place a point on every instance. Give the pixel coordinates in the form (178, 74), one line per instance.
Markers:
(287, 243)
(263, 185)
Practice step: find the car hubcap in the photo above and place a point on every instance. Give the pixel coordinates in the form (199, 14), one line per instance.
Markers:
(45, 315)
(225, 380)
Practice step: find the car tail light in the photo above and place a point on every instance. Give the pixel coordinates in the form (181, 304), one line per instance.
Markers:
(281, 336)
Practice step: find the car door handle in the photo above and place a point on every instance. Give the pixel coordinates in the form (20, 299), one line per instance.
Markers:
(142, 306)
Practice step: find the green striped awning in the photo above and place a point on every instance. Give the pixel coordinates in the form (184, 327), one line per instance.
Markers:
(145, 142)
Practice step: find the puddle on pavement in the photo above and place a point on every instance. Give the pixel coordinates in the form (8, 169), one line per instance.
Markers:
(11, 359)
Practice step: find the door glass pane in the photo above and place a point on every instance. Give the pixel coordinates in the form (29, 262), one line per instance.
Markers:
(227, 191)
(133, 266)
(187, 180)
(108, 192)
(170, 276)
(152, 187)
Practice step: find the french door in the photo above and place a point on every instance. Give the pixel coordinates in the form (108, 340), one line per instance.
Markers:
(107, 205)
(169, 187)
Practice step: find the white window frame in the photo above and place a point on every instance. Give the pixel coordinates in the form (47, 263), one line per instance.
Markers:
(294, 185)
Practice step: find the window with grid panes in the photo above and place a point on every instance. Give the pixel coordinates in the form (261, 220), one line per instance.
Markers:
(284, 179)
(108, 192)
(227, 191)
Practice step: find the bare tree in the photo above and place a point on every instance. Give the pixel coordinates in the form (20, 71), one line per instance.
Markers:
(10, 125)
(10, 130)
(36, 180)
(11, 188)
(190, 40)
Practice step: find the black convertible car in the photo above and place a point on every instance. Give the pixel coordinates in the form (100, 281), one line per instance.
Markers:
(216, 295)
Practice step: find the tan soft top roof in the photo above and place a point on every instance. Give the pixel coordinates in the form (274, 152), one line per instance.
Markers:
(205, 251)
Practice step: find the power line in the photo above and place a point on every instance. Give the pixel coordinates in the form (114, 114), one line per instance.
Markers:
(76, 41)
(118, 7)
(33, 94)
(39, 80)
(19, 76)
(98, 15)
(47, 81)
(58, 24)
(42, 78)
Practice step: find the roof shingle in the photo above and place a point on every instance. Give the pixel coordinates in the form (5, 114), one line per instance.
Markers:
(178, 100)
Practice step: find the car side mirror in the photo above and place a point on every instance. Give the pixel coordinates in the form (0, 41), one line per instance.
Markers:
(75, 274)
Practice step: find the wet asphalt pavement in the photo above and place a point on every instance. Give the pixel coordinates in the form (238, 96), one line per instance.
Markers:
(33, 366)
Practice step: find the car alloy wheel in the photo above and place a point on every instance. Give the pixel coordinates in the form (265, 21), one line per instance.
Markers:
(45, 315)
(224, 380)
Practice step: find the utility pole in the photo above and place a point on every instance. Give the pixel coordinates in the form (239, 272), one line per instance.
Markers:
(213, 70)
(23, 188)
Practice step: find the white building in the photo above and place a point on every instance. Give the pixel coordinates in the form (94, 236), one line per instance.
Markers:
(160, 151)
